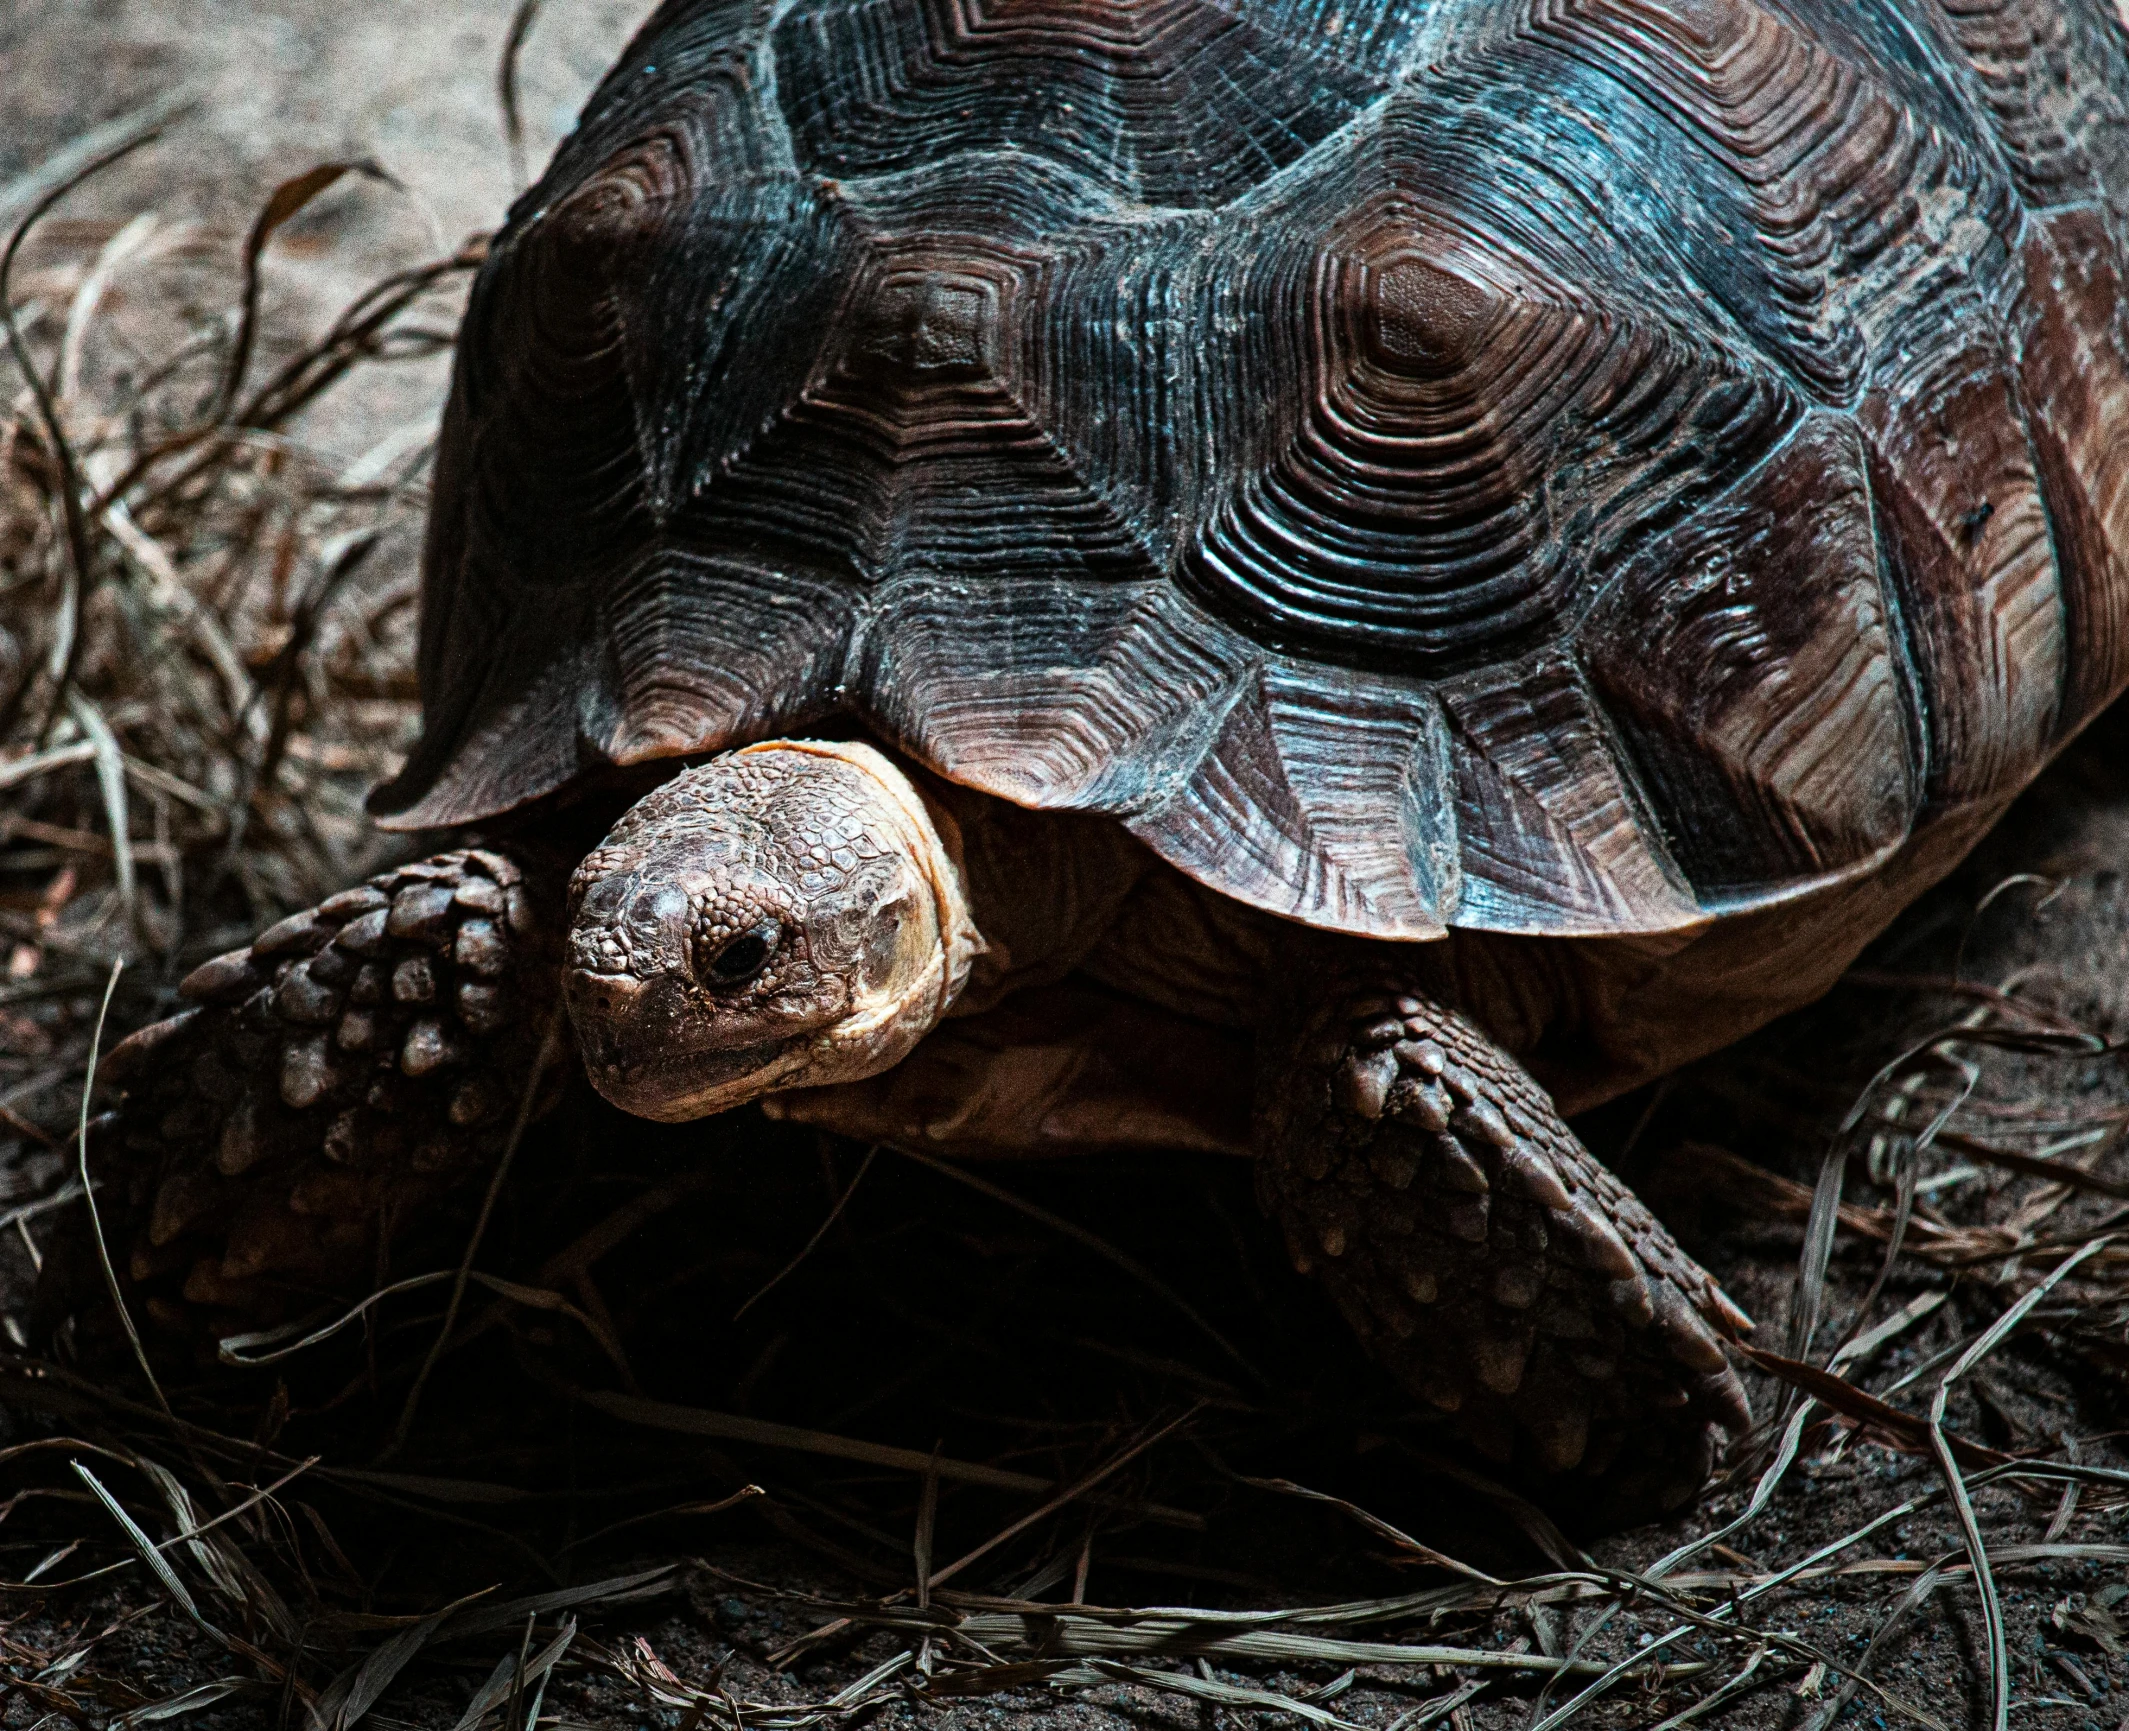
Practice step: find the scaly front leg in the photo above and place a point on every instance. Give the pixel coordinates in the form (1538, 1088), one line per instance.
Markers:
(352, 1066)
(1487, 1259)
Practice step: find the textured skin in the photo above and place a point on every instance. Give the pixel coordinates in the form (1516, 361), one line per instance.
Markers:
(356, 1063)
(1485, 1257)
(777, 846)
(1542, 466)
(775, 917)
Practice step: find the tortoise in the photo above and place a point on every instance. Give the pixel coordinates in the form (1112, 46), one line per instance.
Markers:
(1330, 583)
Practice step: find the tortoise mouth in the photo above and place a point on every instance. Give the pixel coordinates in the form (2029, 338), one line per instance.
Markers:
(639, 1064)
(676, 1086)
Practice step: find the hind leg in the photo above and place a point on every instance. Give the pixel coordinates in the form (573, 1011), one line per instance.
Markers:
(1485, 1257)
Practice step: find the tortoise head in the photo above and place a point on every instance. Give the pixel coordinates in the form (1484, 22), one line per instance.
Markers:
(789, 915)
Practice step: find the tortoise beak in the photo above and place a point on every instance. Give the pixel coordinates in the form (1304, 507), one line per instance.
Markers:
(633, 1035)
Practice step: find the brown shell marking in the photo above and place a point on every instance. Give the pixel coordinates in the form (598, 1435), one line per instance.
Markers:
(1320, 798)
(1748, 660)
(1532, 758)
(1168, 102)
(1967, 536)
(2053, 83)
(1568, 466)
(1845, 192)
(1098, 699)
(2073, 347)
(1410, 512)
(2052, 77)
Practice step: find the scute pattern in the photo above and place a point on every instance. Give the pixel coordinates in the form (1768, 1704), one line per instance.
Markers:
(1533, 759)
(1101, 699)
(1165, 102)
(1748, 661)
(2053, 80)
(1325, 792)
(1816, 205)
(1553, 466)
(2073, 382)
(1461, 428)
(1966, 539)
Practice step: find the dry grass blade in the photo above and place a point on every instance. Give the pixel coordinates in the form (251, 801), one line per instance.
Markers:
(927, 1522)
(291, 1339)
(185, 1703)
(1376, 1525)
(1818, 1250)
(1084, 1632)
(1353, 1614)
(536, 1674)
(819, 1232)
(490, 1694)
(1884, 1424)
(1207, 1689)
(1910, 1601)
(130, 136)
(1441, 1707)
(1533, 1522)
(151, 1555)
(732, 1427)
(88, 1197)
(506, 85)
(111, 784)
(1859, 1348)
(356, 1690)
(633, 1589)
(1999, 1658)
(2034, 1166)
(745, 1493)
(285, 202)
(28, 768)
(1079, 1487)
(661, 1689)
(1748, 1678)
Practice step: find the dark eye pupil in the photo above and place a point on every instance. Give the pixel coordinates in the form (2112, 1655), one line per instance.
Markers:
(742, 958)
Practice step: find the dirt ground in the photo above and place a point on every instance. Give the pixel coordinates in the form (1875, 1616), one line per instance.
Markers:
(278, 85)
(934, 1318)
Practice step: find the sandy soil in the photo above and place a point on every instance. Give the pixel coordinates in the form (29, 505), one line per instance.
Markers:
(283, 84)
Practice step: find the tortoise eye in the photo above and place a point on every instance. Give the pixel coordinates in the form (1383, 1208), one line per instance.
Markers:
(746, 955)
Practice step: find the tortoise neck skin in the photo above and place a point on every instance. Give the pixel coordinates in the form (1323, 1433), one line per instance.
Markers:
(789, 915)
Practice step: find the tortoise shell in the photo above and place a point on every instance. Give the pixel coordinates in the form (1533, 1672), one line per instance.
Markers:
(1550, 466)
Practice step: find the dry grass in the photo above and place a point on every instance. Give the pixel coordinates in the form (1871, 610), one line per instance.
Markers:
(205, 664)
(208, 623)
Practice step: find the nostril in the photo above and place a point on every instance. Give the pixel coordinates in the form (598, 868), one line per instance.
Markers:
(606, 994)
